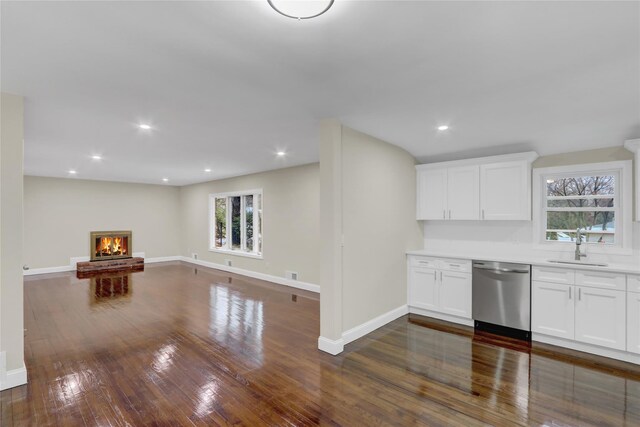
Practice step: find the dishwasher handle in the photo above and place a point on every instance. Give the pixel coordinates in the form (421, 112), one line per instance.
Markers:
(500, 270)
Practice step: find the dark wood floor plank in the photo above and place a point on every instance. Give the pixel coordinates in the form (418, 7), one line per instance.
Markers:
(182, 346)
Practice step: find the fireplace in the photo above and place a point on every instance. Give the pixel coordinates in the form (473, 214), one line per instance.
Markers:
(110, 245)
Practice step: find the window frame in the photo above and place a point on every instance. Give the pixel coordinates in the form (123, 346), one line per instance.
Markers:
(258, 226)
(623, 197)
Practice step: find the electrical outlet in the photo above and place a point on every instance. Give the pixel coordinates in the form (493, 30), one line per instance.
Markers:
(292, 275)
(227, 262)
(194, 255)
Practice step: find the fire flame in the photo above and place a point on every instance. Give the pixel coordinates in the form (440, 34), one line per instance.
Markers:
(108, 246)
(117, 250)
(105, 246)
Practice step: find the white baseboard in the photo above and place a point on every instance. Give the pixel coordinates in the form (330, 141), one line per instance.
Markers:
(337, 346)
(46, 270)
(162, 259)
(587, 348)
(73, 261)
(441, 316)
(330, 346)
(373, 324)
(13, 378)
(262, 276)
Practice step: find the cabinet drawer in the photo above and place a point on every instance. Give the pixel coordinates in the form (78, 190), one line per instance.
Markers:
(554, 275)
(633, 282)
(419, 261)
(461, 265)
(603, 280)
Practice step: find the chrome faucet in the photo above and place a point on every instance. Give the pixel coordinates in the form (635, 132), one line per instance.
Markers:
(579, 253)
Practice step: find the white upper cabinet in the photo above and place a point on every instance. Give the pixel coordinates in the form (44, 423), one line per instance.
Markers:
(506, 191)
(432, 194)
(463, 193)
(489, 188)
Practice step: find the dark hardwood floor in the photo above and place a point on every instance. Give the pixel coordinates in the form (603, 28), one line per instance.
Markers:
(175, 345)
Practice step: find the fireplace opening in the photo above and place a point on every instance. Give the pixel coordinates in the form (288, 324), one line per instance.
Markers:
(110, 245)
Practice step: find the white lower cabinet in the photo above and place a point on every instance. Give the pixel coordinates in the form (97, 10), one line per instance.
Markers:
(446, 289)
(553, 309)
(633, 322)
(423, 287)
(455, 293)
(600, 317)
(585, 314)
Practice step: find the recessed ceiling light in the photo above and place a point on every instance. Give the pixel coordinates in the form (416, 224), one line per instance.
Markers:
(443, 127)
(72, 172)
(281, 153)
(207, 170)
(96, 157)
(144, 126)
(165, 179)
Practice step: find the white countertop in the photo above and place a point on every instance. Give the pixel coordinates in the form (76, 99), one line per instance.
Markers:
(523, 259)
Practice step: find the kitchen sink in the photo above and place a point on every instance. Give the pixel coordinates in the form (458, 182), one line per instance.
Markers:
(591, 264)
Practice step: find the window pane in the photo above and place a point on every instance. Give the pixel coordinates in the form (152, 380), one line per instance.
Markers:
(581, 203)
(221, 223)
(248, 216)
(260, 232)
(581, 186)
(236, 232)
(599, 227)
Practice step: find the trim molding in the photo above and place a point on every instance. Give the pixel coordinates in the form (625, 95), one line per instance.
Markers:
(529, 156)
(75, 260)
(253, 274)
(632, 145)
(335, 347)
(373, 324)
(441, 316)
(162, 259)
(14, 378)
(587, 348)
(46, 270)
(330, 346)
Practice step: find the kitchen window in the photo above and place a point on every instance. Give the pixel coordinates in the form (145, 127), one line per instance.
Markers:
(594, 197)
(235, 221)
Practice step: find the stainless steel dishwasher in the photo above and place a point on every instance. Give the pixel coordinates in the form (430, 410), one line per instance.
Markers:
(501, 301)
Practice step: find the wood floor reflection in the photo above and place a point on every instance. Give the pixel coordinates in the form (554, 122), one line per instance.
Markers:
(175, 345)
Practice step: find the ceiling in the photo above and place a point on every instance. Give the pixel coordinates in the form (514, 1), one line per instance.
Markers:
(227, 84)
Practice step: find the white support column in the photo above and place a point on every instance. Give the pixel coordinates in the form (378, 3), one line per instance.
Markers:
(330, 339)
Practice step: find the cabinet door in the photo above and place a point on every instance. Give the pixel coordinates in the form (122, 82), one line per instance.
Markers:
(633, 322)
(505, 191)
(432, 194)
(463, 192)
(455, 293)
(601, 317)
(552, 309)
(423, 288)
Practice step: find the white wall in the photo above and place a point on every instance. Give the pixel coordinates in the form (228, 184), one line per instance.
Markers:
(60, 213)
(290, 225)
(11, 226)
(517, 236)
(368, 210)
(379, 226)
